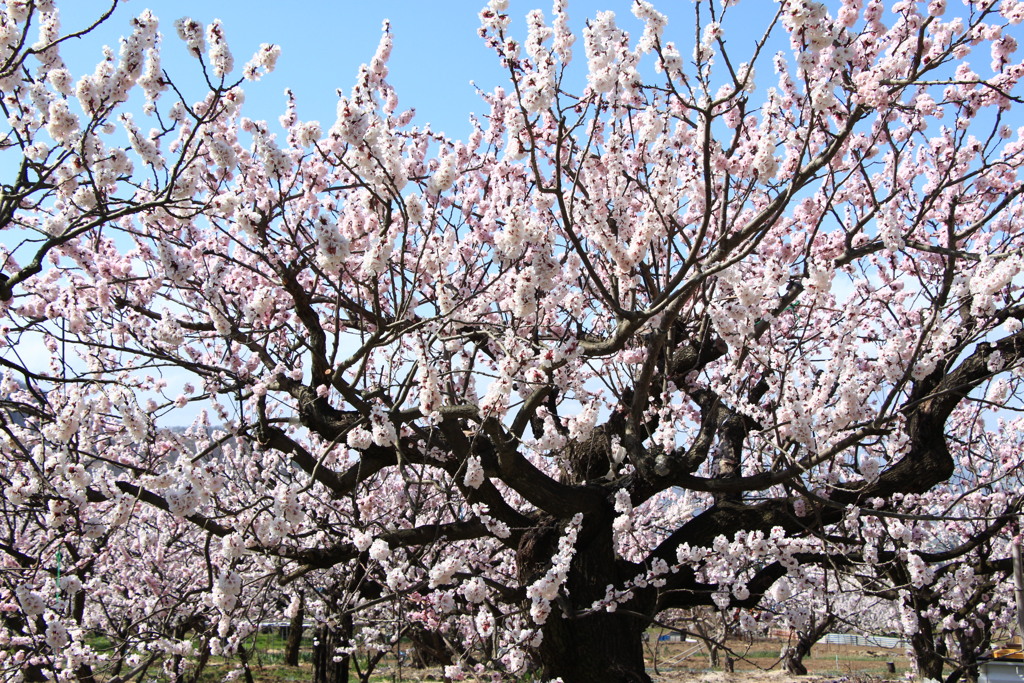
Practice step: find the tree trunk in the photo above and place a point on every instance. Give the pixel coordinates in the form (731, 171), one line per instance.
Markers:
(15, 623)
(428, 647)
(291, 650)
(243, 657)
(603, 646)
(714, 654)
(793, 661)
(325, 669)
(204, 658)
(926, 655)
(1018, 586)
(970, 648)
(793, 658)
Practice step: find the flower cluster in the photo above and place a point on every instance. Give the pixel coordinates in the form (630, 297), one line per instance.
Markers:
(543, 590)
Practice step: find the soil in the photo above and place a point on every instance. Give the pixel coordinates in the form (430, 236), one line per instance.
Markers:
(674, 662)
(758, 662)
(764, 677)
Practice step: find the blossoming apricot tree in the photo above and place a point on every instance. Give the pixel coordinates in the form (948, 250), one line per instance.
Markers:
(657, 344)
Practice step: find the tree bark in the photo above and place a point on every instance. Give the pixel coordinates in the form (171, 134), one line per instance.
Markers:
(714, 654)
(926, 653)
(325, 669)
(971, 648)
(428, 647)
(291, 650)
(793, 658)
(243, 657)
(1018, 586)
(601, 646)
(201, 662)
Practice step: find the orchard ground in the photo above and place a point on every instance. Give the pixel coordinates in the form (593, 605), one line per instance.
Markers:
(754, 661)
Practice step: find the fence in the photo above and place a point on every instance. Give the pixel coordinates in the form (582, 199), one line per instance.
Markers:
(854, 639)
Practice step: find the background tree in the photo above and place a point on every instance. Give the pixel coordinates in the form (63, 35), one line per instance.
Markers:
(810, 615)
(647, 346)
(943, 558)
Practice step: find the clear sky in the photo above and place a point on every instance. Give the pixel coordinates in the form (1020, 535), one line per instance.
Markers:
(437, 51)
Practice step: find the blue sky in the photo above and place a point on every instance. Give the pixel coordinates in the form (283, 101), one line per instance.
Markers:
(437, 51)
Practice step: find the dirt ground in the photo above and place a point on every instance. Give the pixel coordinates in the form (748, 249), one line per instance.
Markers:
(685, 663)
(720, 677)
(763, 677)
(674, 662)
(757, 662)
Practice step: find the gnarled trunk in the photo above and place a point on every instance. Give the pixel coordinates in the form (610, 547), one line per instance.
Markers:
(428, 647)
(793, 657)
(928, 654)
(793, 660)
(603, 646)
